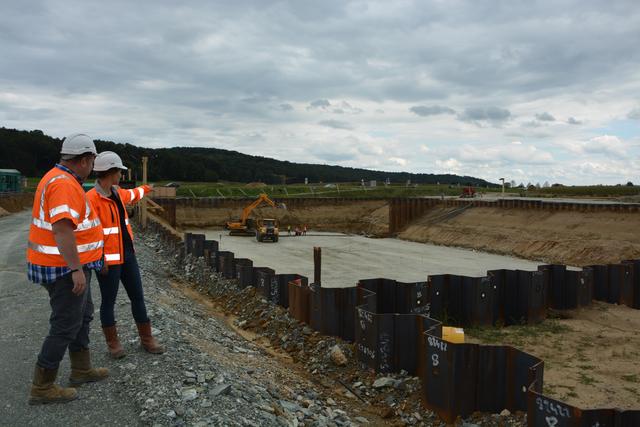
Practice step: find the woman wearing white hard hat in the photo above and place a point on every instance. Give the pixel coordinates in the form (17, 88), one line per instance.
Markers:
(109, 201)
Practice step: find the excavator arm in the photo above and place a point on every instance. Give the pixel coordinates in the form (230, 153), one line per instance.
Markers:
(240, 227)
(263, 198)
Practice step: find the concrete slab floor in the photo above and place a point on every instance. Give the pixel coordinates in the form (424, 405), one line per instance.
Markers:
(347, 259)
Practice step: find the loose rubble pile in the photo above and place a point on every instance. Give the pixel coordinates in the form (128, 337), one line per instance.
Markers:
(198, 391)
(210, 376)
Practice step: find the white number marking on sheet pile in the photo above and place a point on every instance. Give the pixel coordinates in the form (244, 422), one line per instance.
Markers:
(437, 343)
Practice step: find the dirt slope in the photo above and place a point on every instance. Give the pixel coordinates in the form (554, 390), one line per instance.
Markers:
(10, 203)
(573, 238)
(369, 216)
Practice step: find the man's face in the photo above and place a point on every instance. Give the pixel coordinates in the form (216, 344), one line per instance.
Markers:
(86, 165)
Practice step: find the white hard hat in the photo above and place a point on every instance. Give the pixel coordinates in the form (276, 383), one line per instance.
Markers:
(107, 160)
(78, 144)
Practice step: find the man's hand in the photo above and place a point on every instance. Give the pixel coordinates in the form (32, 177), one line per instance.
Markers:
(105, 269)
(79, 282)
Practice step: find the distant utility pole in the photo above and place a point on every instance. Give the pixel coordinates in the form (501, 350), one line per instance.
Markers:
(143, 202)
(502, 179)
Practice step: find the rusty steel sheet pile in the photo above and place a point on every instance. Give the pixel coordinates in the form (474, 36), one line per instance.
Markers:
(617, 283)
(543, 411)
(333, 310)
(521, 296)
(262, 279)
(398, 326)
(459, 379)
(397, 297)
(299, 301)
(461, 300)
(635, 282)
(224, 264)
(278, 291)
(243, 271)
(568, 289)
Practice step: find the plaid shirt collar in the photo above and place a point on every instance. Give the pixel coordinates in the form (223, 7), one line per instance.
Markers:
(66, 169)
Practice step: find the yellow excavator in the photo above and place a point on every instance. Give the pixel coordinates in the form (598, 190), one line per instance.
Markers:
(263, 229)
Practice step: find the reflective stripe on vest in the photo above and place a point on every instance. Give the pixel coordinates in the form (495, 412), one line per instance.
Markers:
(63, 208)
(44, 190)
(141, 192)
(53, 250)
(133, 195)
(112, 257)
(42, 224)
(110, 230)
(126, 221)
(84, 225)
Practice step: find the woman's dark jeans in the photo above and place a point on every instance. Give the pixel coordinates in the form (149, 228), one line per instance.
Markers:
(129, 274)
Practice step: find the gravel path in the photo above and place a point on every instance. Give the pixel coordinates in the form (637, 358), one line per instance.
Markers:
(24, 321)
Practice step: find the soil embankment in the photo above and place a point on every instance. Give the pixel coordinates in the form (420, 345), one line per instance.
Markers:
(366, 216)
(11, 203)
(566, 237)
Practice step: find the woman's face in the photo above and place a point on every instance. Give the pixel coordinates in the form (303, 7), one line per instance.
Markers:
(116, 176)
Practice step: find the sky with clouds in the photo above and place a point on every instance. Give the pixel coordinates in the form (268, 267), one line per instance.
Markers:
(530, 91)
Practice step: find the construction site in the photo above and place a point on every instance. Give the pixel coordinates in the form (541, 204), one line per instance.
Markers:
(307, 214)
(547, 293)
(429, 311)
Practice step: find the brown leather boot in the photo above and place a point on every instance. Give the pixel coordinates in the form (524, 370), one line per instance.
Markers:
(43, 390)
(113, 343)
(81, 370)
(147, 340)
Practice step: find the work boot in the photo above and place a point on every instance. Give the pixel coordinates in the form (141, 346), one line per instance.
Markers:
(113, 343)
(147, 340)
(43, 390)
(81, 370)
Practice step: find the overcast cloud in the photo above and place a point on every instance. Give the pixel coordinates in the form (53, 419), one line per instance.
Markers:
(532, 92)
(432, 110)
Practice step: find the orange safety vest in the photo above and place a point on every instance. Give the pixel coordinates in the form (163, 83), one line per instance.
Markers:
(60, 196)
(109, 216)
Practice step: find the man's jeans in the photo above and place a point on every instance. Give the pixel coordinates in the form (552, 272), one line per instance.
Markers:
(69, 322)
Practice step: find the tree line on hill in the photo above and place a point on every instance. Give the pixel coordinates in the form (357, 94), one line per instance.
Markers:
(33, 153)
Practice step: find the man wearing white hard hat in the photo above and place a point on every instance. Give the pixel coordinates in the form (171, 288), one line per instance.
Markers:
(65, 245)
(109, 201)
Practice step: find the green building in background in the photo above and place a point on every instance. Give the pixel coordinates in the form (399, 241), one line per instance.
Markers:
(10, 181)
